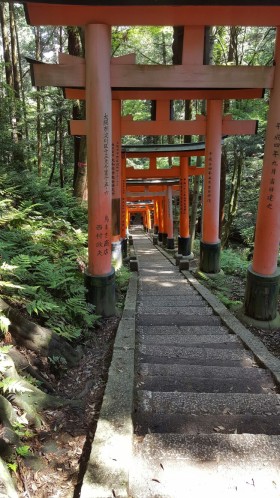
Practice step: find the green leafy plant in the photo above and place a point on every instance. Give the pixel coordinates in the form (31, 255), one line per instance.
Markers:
(23, 451)
(43, 248)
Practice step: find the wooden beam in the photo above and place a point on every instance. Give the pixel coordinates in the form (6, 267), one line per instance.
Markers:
(73, 59)
(165, 77)
(239, 93)
(149, 76)
(168, 173)
(194, 127)
(39, 14)
(166, 127)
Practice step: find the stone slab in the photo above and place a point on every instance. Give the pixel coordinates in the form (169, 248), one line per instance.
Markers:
(194, 353)
(179, 320)
(196, 371)
(202, 385)
(169, 301)
(208, 403)
(205, 424)
(187, 340)
(175, 310)
(182, 330)
(108, 467)
(220, 466)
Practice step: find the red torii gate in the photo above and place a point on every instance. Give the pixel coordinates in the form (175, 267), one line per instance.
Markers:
(263, 276)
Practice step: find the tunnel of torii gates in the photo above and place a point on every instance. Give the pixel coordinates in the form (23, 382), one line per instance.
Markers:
(105, 82)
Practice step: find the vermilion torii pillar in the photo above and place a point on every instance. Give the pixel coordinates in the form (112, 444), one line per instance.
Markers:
(210, 244)
(169, 219)
(184, 229)
(262, 291)
(100, 276)
(116, 184)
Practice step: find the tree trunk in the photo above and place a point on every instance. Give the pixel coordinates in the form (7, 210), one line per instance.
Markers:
(38, 55)
(76, 47)
(6, 44)
(233, 200)
(61, 155)
(80, 187)
(54, 151)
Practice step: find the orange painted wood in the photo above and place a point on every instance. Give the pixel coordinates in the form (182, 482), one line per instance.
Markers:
(184, 229)
(59, 75)
(239, 127)
(194, 127)
(155, 212)
(70, 59)
(193, 45)
(221, 94)
(169, 213)
(147, 189)
(124, 59)
(116, 169)
(161, 215)
(173, 172)
(123, 199)
(267, 234)
(99, 149)
(192, 153)
(211, 196)
(163, 110)
(139, 76)
(76, 15)
(149, 76)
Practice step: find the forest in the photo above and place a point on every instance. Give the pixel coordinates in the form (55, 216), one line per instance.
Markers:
(43, 226)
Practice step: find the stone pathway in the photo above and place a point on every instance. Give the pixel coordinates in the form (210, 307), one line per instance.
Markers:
(206, 414)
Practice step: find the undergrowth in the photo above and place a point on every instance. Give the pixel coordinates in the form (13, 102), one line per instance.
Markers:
(43, 251)
(229, 285)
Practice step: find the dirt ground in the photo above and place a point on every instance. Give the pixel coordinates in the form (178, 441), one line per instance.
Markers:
(59, 449)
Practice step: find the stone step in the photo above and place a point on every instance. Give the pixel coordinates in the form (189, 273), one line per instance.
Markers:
(205, 424)
(203, 372)
(216, 466)
(175, 310)
(208, 403)
(184, 384)
(217, 361)
(183, 330)
(169, 301)
(194, 354)
(213, 340)
(179, 320)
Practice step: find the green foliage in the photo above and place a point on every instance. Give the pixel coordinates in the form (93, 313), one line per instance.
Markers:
(23, 451)
(12, 466)
(234, 262)
(43, 249)
(12, 385)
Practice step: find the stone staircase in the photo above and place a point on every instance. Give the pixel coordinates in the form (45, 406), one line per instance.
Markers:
(206, 414)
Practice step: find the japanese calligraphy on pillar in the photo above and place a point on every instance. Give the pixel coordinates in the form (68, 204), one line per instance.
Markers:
(103, 238)
(107, 169)
(184, 195)
(274, 168)
(209, 178)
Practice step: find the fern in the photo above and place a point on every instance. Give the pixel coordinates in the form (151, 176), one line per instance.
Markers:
(4, 324)
(13, 386)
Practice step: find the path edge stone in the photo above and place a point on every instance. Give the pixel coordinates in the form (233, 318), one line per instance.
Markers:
(107, 471)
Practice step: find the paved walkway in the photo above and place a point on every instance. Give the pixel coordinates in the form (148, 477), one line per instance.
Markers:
(206, 414)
